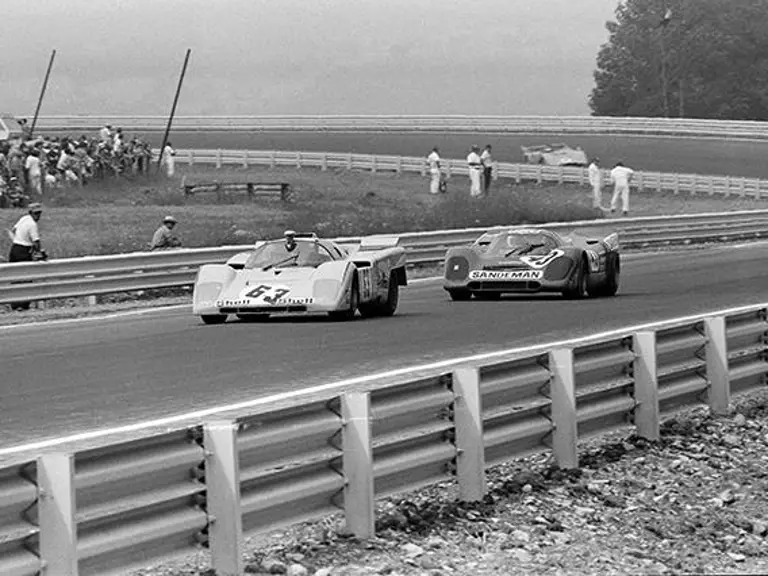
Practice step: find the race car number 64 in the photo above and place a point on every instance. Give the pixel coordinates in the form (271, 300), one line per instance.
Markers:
(263, 291)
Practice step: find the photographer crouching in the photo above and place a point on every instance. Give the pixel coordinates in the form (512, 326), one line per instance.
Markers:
(25, 238)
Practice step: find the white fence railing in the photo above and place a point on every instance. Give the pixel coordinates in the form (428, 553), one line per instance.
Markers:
(103, 510)
(92, 275)
(658, 181)
(414, 124)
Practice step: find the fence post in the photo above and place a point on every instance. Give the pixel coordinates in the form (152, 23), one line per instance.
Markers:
(324, 165)
(560, 175)
(518, 176)
(298, 160)
(695, 184)
(711, 185)
(373, 164)
(470, 448)
(218, 158)
(646, 385)
(222, 481)
(424, 167)
(727, 186)
(399, 165)
(191, 158)
(741, 186)
(245, 158)
(677, 184)
(272, 159)
(716, 350)
(349, 161)
(538, 174)
(56, 512)
(641, 181)
(563, 396)
(357, 443)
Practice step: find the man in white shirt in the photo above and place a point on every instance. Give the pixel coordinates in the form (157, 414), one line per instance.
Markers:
(25, 246)
(487, 161)
(621, 176)
(596, 181)
(34, 172)
(169, 160)
(434, 171)
(475, 169)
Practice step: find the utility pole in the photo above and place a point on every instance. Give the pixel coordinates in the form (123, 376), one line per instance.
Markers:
(664, 83)
(173, 109)
(42, 93)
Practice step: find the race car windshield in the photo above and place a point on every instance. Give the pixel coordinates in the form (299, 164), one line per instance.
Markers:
(519, 244)
(277, 255)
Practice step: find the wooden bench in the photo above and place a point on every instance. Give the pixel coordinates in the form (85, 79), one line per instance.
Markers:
(280, 190)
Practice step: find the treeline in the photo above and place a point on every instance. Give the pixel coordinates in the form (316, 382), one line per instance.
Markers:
(685, 58)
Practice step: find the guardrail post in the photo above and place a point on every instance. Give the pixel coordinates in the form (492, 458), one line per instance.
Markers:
(518, 176)
(742, 180)
(349, 161)
(495, 171)
(56, 512)
(272, 159)
(716, 350)
(222, 480)
(711, 184)
(373, 164)
(641, 182)
(218, 158)
(470, 448)
(563, 396)
(357, 442)
(646, 385)
(539, 175)
(324, 165)
(245, 158)
(191, 157)
(399, 165)
(727, 186)
(560, 175)
(677, 184)
(424, 167)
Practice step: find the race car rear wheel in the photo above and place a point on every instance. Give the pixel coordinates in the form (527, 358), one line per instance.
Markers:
(460, 294)
(577, 287)
(253, 317)
(389, 306)
(487, 295)
(214, 318)
(612, 274)
(354, 304)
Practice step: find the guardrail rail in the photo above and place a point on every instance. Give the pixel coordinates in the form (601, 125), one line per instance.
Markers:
(687, 127)
(107, 509)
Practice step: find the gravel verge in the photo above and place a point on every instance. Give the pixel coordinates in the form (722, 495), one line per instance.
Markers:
(693, 502)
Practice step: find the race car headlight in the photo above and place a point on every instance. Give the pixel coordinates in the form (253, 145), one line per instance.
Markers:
(326, 289)
(558, 269)
(206, 294)
(457, 268)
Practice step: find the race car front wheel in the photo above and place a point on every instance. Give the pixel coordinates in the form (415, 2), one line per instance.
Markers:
(354, 304)
(577, 287)
(214, 318)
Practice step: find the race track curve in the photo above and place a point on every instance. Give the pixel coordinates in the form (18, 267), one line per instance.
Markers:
(74, 376)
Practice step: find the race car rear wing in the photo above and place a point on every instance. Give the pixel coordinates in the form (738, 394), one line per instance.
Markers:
(378, 242)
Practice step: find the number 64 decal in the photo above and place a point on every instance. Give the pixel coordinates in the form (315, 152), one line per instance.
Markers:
(269, 294)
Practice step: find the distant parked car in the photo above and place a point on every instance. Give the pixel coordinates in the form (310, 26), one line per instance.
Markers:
(559, 154)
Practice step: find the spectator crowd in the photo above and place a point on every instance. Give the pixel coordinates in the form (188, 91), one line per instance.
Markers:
(30, 166)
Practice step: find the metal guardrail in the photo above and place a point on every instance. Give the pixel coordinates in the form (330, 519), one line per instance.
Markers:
(405, 123)
(118, 506)
(93, 275)
(658, 181)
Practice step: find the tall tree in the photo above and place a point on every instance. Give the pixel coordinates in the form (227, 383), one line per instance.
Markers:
(693, 58)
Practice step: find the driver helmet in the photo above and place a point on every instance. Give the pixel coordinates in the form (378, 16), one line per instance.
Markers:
(290, 240)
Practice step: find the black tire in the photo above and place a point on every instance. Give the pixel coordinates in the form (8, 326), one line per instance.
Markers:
(577, 287)
(613, 274)
(460, 294)
(389, 306)
(354, 304)
(214, 318)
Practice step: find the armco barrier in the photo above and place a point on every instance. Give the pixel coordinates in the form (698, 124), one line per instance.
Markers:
(106, 509)
(687, 127)
(658, 181)
(75, 277)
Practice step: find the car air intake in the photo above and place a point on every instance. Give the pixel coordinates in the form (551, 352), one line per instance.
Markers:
(457, 268)
(558, 270)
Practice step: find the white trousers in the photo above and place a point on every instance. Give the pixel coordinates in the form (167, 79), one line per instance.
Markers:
(434, 183)
(623, 191)
(597, 195)
(474, 181)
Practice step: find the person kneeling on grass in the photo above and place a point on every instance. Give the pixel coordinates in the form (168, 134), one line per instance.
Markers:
(163, 237)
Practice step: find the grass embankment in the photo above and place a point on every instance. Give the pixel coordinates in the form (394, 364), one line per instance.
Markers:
(121, 216)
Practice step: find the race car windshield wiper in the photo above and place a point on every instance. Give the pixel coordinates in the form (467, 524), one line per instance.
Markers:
(528, 248)
(283, 261)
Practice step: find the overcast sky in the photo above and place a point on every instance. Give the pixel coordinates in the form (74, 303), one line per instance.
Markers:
(303, 56)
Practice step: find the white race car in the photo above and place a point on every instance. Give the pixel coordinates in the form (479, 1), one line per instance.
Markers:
(303, 274)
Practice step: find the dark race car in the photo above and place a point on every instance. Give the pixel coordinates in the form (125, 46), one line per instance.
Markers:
(533, 260)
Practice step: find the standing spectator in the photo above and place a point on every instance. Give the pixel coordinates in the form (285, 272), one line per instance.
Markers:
(434, 170)
(596, 181)
(487, 161)
(475, 167)
(163, 238)
(169, 160)
(105, 134)
(34, 172)
(25, 247)
(621, 176)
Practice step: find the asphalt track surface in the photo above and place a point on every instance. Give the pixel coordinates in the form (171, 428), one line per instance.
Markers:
(646, 153)
(71, 377)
